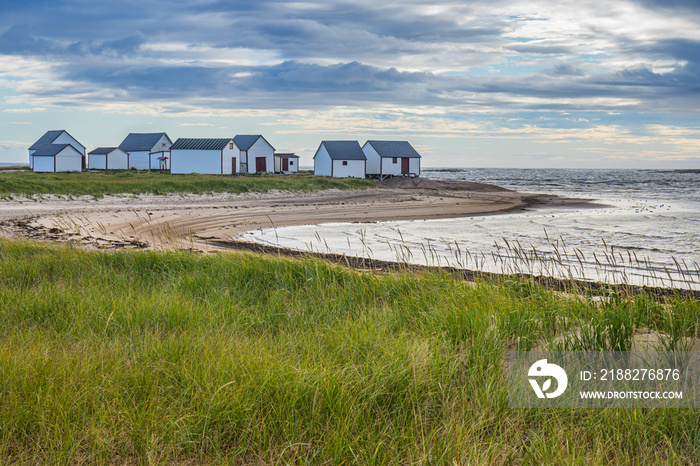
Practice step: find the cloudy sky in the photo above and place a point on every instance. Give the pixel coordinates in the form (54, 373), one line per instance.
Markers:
(490, 83)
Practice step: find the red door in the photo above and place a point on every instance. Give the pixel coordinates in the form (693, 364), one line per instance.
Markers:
(233, 165)
(285, 165)
(260, 165)
(404, 165)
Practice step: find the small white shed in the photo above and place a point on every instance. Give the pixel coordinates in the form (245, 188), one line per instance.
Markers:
(108, 158)
(145, 149)
(286, 162)
(391, 158)
(256, 154)
(340, 159)
(57, 158)
(207, 156)
(51, 145)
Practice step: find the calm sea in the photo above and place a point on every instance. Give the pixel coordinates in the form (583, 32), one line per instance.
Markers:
(647, 232)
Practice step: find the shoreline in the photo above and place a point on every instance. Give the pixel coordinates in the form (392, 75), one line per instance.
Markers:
(196, 222)
(212, 223)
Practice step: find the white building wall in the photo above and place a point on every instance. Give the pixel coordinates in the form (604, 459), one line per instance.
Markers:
(322, 162)
(69, 160)
(117, 160)
(373, 159)
(293, 165)
(155, 163)
(354, 169)
(261, 149)
(139, 159)
(97, 162)
(414, 166)
(65, 138)
(196, 161)
(42, 163)
(231, 151)
(391, 168)
(162, 145)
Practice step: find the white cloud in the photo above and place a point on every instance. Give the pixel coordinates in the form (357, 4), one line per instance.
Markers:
(24, 110)
(14, 145)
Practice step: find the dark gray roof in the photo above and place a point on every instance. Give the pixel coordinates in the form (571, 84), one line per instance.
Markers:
(343, 150)
(49, 137)
(200, 143)
(51, 149)
(244, 141)
(394, 149)
(102, 150)
(141, 141)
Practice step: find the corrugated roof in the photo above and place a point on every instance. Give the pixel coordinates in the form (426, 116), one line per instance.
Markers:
(141, 141)
(200, 143)
(102, 150)
(51, 149)
(244, 141)
(394, 149)
(344, 150)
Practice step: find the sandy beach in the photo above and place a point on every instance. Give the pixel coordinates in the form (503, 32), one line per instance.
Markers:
(198, 221)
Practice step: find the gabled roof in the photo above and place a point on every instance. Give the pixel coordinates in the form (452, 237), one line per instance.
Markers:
(245, 141)
(343, 150)
(102, 150)
(200, 143)
(141, 141)
(394, 149)
(49, 137)
(51, 149)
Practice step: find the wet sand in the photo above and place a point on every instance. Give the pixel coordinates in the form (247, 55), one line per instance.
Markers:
(200, 222)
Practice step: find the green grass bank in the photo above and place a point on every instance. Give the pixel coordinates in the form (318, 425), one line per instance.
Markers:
(27, 183)
(172, 357)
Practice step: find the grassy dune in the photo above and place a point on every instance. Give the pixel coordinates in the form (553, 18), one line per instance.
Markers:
(155, 357)
(26, 183)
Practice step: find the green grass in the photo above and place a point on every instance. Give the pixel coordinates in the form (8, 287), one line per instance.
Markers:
(160, 357)
(26, 183)
(15, 167)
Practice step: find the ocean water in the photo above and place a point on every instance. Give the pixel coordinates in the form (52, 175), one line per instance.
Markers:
(645, 231)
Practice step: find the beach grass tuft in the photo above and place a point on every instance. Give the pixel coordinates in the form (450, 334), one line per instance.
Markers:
(158, 357)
